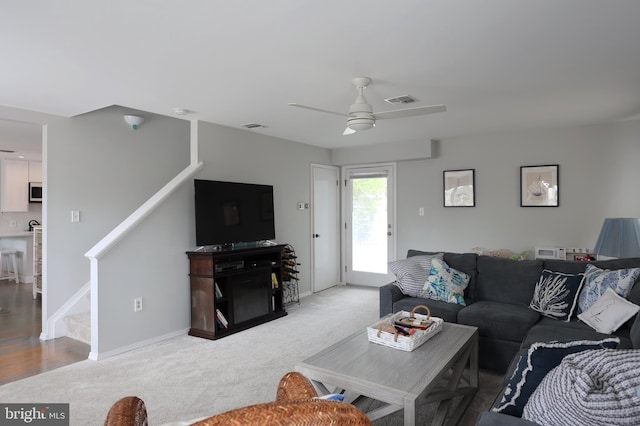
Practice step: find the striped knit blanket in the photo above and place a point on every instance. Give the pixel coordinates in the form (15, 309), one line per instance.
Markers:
(594, 387)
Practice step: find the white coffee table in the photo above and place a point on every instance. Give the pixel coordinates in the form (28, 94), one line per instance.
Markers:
(401, 380)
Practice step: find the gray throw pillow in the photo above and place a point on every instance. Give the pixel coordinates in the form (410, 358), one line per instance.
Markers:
(412, 273)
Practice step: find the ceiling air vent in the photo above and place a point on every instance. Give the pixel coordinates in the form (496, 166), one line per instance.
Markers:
(254, 126)
(401, 100)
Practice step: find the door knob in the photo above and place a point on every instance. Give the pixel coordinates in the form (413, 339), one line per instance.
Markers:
(389, 233)
(316, 235)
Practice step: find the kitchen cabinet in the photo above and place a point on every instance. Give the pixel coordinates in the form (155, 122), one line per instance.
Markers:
(15, 176)
(14, 185)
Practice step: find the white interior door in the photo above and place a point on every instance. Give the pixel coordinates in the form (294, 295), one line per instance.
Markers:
(325, 213)
(369, 224)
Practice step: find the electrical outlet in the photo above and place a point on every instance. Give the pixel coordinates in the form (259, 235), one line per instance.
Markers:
(137, 304)
(421, 211)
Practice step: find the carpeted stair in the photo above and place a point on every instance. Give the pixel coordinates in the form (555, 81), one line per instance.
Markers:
(79, 327)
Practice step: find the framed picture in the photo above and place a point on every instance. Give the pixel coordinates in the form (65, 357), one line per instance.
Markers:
(459, 188)
(539, 186)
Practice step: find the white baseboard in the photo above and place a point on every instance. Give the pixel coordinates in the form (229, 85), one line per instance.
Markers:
(93, 356)
(305, 294)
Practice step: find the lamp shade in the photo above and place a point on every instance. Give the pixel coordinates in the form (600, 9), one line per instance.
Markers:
(619, 237)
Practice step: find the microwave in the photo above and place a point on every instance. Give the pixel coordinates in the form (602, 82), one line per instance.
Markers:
(35, 192)
(550, 253)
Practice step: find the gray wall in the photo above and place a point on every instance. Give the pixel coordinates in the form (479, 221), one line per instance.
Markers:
(241, 156)
(97, 165)
(598, 178)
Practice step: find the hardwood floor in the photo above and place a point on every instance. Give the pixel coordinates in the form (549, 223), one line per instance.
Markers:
(22, 354)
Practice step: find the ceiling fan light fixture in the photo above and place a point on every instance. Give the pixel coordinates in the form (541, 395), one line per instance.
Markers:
(358, 124)
(361, 116)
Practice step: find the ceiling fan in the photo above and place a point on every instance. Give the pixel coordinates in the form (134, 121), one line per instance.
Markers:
(361, 115)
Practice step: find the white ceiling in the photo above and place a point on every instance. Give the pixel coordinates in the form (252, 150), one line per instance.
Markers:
(496, 64)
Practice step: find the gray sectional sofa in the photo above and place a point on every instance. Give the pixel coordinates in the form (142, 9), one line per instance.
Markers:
(498, 297)
(497, 302)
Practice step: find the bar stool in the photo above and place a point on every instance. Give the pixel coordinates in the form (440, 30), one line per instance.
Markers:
(8, 273)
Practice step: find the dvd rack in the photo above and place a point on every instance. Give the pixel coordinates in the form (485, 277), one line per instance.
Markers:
(290, 293)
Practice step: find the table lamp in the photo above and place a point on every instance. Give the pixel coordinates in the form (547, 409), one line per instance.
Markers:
(619, 237)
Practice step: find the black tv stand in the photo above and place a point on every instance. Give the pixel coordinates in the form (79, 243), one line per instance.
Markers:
(232, 290)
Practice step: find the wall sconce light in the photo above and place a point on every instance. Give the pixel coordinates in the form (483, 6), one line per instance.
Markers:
(134, 121)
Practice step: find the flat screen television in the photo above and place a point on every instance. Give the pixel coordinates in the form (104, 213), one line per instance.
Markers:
(230, 212)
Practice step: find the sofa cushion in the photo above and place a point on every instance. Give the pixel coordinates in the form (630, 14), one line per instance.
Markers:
(506, 280)
(556, 294)
(598, 280)
(589, 388)
(412, 273)
(446, 283)
(499, 320)
(440, 309)
(575, 323)
(465, 262)
(534, 365)
(609, 312)
(565, 331)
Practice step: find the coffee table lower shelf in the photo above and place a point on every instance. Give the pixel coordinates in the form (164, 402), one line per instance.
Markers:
(398, 380)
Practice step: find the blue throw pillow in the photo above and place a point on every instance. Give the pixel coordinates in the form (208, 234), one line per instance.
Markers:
(446, 283)
(534, 365)
(556, 294)
(597, 281)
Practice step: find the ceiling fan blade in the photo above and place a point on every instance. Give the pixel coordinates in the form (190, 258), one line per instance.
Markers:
(316, 109)
(409, 112)
(348, 131)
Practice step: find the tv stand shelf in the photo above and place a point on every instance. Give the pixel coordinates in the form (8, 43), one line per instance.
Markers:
(232, 290)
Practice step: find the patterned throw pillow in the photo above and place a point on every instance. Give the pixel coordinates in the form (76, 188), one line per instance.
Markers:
(556, 294)
(590, 388)
(608, 313)
(534, 365)
(446, 283)
(411, 273)
(597, 281)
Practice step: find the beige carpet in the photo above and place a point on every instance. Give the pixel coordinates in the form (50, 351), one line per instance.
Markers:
(187, 377)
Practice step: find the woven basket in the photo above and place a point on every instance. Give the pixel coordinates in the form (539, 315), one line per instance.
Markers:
(385, 333)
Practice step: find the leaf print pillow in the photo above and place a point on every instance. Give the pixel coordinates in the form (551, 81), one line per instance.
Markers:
(556, 294)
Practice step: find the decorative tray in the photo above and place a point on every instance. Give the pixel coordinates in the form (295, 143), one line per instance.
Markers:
(405, 330)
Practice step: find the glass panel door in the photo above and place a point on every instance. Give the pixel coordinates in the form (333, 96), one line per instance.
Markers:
(369, 225)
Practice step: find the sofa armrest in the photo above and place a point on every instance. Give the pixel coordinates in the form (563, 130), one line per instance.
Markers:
(389, 294)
